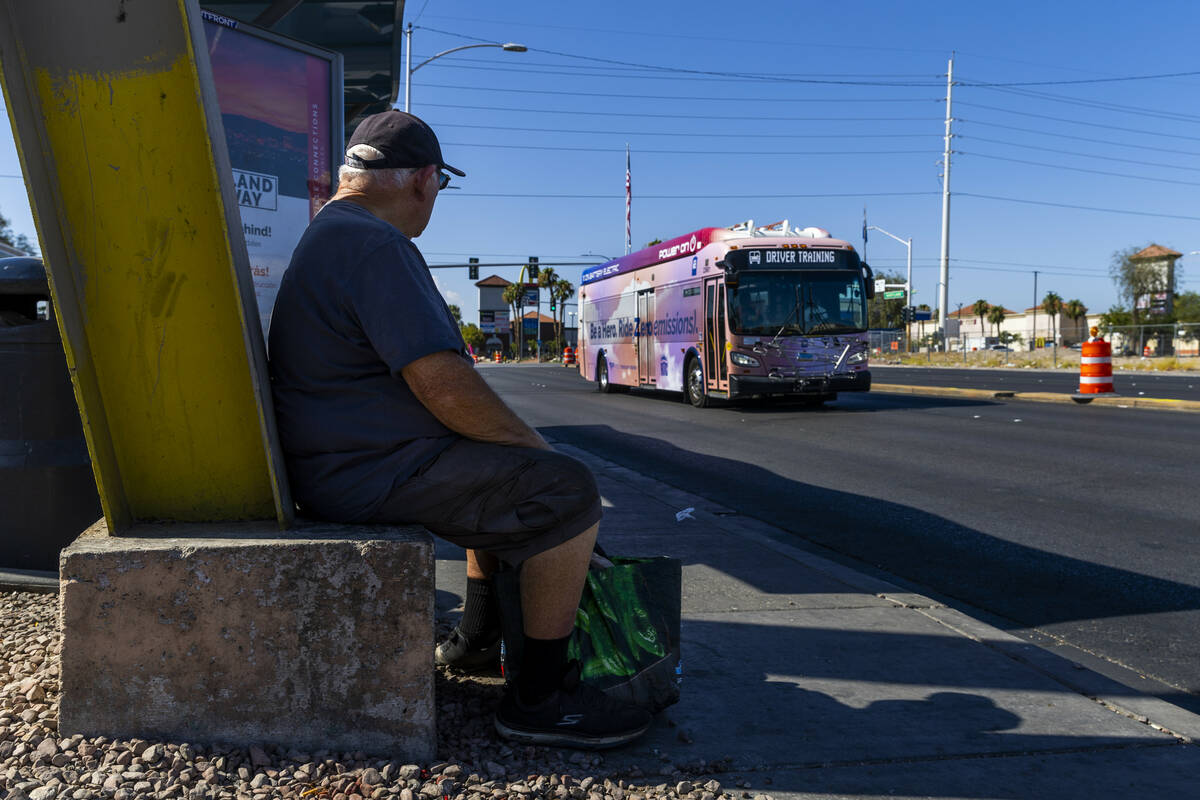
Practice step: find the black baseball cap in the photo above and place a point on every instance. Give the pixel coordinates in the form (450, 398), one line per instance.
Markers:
(404, 140)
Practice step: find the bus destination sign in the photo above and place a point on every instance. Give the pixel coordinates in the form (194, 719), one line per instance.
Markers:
(752, 258)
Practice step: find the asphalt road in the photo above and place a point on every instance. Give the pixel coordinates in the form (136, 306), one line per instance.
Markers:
(1074, 526)
(1126, 384)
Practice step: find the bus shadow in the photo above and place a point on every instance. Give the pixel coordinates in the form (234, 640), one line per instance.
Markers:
(846, 403)
(1029, 587)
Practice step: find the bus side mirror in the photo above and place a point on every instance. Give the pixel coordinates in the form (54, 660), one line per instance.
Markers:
(868, 280)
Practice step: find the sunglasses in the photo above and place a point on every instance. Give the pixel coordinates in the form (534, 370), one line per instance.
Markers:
(443, 180)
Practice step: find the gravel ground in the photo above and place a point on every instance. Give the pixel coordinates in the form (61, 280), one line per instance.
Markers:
(473, 763)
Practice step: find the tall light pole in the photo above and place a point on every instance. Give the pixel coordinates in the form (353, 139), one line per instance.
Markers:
(908, 281)
(409, 69)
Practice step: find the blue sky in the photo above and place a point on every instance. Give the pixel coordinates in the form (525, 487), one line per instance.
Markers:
(809, 111)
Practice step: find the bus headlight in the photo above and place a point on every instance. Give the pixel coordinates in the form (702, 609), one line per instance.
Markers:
(743, 360)
(858, 358)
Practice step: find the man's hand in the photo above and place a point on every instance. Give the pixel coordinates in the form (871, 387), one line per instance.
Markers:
(454, 393)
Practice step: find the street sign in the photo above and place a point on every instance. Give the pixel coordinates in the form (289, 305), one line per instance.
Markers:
(923, 315)
(894, 294)
(880, 285)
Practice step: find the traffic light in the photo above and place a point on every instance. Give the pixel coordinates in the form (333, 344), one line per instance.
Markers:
(473, 268)
(552, 301)
(908, 314)
(533, 266)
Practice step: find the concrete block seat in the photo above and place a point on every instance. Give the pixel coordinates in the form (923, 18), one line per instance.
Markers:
(319, 637)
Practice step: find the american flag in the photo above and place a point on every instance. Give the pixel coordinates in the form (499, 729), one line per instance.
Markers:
(628, 205)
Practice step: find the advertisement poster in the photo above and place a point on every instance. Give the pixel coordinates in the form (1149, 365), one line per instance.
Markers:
(275, 104)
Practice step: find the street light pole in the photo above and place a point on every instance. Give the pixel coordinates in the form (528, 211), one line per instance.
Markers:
(908, 280)
(409, 69)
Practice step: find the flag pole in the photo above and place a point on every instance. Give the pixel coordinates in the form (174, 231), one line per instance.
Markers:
(628, 204)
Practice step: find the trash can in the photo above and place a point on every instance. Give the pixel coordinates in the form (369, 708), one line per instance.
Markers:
(47, 490)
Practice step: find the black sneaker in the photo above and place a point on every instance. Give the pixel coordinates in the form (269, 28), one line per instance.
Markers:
(576, 715)
(460, 654)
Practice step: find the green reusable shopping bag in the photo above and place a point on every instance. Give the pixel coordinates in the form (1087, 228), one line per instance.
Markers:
(626, 634)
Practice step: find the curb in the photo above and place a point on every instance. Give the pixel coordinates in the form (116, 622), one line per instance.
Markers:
(1157, 403)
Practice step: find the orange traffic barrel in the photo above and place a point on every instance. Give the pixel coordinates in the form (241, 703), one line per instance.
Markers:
(496, 356)
(1095, 370)
(569, 356)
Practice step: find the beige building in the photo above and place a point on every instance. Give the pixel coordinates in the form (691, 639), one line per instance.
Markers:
(1030, 324)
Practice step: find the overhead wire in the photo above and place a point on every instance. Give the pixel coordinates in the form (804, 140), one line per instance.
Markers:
(1075, 169)
(740, 135)
(740, 152)
(1075, 138)
(1078, 154)
(627, 96)
(970, 104)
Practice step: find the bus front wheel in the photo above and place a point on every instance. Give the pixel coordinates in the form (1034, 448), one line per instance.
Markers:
(694, 387)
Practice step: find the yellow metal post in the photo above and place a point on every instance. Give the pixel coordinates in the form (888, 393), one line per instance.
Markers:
(120, 137)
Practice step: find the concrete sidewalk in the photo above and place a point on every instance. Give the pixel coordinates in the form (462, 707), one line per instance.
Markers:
(806, 679)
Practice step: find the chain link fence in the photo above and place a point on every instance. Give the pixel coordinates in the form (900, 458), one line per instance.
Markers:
(1181, 339)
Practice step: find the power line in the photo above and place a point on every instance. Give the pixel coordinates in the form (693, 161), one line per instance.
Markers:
(628, 96)
(1077, 122)
(652, 73)
(1081, 155)
(1077, 138)
(717, 73)
(1077, 169)
(606, 132)
(1076, 81)
(1098, 104)
(740, 152)
(692, 196)
(805, 42)
(1082, 208)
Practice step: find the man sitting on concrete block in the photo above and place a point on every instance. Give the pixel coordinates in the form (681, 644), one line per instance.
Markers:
(384, 419)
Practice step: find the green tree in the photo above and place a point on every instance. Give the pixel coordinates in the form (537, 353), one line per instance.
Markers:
(980, 309)
(512, 295)
(473, 336)
(1187, 307)
(456, 312)
(653, 242)
(885, 313)
(561, 291)
(17, 240)
(1116, 316)
(996, 316)
(1052, 304)
(1075, 310)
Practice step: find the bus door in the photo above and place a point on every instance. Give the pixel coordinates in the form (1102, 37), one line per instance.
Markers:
(645, 342)
(716, 373)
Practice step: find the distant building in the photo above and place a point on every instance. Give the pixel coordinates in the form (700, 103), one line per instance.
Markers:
(496, 325)
(1161, 300)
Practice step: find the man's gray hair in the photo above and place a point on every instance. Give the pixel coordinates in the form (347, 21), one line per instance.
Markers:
(367, 179)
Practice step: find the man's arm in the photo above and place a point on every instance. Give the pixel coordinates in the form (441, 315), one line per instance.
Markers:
(454, 393)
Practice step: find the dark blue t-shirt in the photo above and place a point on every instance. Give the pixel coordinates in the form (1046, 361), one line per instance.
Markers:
(356, 305)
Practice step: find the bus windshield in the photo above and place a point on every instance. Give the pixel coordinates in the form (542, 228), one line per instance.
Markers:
(801, 302)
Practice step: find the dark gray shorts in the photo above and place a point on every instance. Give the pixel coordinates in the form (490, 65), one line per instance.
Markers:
(512, 502)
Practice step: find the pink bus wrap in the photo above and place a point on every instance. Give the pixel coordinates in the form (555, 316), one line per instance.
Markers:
(730, 313)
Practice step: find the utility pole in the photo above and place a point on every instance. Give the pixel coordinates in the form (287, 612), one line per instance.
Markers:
(407, 65)
(1033, 333)
(944, 276)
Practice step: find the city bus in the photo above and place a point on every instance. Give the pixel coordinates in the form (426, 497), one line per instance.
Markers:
(728, 314)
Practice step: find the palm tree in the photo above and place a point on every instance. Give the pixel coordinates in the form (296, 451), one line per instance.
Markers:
(995, 315)
(561, 291)
(513, 294)
(1052, 304)
(980, 307)
(1075, 310)
(546, 278)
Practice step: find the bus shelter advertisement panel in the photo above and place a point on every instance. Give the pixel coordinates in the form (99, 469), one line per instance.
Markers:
(275, 105)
